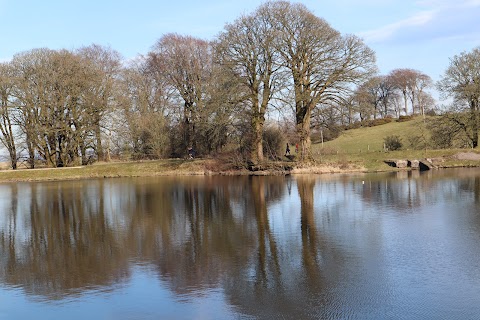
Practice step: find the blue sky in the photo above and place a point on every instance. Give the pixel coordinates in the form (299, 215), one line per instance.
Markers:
(419, 34)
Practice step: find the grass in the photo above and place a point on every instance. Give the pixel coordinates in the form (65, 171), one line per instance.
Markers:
(355, 150)
(364, 147)
(370, 139)
(108, 170)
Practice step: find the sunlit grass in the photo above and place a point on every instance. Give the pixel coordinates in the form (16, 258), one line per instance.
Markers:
(371, 139)
(355, 150)
(364, 147)
(108, 170)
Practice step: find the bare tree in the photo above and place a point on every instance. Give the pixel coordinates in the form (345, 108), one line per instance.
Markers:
(419, 96)
(402, 79)
(348, 106)
(145, 106)
(361, 101)
(65, 121)
(387, 96)
(425, 102)
(99, 99)
(30, 90)
(461, 81)
(50, 88)
(7, 110)
(411, 83)
(246, 47)
(187, 64)
(370, 93)
(323, 63)
(223, 112)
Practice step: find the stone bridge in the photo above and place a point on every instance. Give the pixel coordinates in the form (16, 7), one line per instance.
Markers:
(422, 165)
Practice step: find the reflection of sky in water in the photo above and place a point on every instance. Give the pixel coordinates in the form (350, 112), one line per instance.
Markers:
(377, 246)
(144, 296)
(8, 223)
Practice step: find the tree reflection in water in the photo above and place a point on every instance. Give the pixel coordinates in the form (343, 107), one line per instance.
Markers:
(266, 242)
(64, 244)
(198, 233)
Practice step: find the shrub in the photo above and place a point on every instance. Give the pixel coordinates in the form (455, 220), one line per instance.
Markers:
(405, 118)
(354, 125)
(328, 134)
(379, 122)
(328, 151)
(393, 143)
(273, 143)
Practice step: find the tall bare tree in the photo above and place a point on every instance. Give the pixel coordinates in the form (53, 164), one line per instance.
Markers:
(411, 83)
(246, 47)
(323, 63)
(145, 107)
(29, 73)
(65, 122)
(461, 82)
(402, 79)
(50, 90)
(7, 111)
(370, 93)
(419, 95)
(99, 99)
(187, 63)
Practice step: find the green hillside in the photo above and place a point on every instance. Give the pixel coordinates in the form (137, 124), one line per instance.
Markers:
(371, 138)
(364, 147)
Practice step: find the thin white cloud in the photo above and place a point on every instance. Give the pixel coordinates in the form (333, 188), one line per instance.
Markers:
(440, 19)
(385, 32)
(473, 3)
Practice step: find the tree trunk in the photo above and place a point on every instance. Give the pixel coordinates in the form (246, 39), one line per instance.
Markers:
(60, 153)
(406, 102)
(51, 152)
(13, 160)
(475, 124)
(257, 143)
(98, 138)
(303, 132)
(107, 153)
(8, 141)
(83, 153)
(13, 157)
(31, 151)
(188, 127)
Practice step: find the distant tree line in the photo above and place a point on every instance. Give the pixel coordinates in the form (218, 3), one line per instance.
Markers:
(69, 107)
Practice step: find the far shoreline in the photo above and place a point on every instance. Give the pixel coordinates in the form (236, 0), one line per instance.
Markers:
(211, 167)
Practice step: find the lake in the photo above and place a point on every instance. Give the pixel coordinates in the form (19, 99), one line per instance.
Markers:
(400, 245)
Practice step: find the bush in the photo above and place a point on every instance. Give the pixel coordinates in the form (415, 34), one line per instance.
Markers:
(378, 122)
(329, 134)
(393, 143)
(405, 118)
(355, 125)
(328, 151)
(273, 143)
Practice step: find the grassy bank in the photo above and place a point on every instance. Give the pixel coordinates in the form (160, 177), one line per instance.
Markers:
(364, 147)
(358, 150)
(332, 163)
(108, 170)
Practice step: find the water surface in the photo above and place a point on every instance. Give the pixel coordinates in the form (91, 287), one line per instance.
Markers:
(382, 246)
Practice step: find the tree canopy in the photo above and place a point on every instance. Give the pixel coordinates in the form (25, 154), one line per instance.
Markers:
(68, 107)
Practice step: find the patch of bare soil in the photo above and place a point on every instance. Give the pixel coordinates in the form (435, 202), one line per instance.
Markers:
(467, 156)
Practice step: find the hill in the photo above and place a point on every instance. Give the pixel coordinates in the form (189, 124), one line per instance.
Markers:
(364, 147)
(372, 138)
